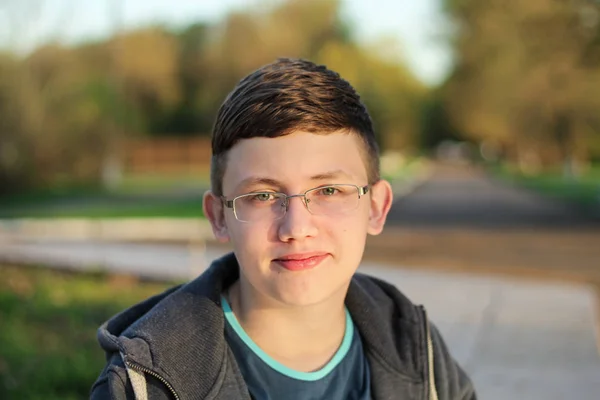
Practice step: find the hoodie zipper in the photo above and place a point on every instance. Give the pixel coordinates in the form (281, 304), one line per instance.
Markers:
(154, 374)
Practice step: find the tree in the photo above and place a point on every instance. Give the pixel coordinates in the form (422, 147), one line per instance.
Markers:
(146, 62)
(64, 110)
(525, 76)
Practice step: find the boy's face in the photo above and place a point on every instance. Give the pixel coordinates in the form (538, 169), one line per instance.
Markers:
(325, 249)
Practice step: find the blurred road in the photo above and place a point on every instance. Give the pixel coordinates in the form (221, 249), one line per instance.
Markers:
(461, 219)
(462, 196)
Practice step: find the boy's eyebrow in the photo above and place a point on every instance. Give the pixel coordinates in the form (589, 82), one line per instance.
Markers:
(259, 180)
(263, 180)
(331, 175)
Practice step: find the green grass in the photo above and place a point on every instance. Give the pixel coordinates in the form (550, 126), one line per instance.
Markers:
(47, 195)
(583, 190)
(137, 196)
(191, 208)
(48, 323)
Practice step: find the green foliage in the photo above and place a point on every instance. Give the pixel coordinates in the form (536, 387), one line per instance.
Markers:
(48, 323)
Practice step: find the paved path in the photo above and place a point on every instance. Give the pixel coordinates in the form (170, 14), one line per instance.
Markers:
(151, 261)
(518, 340)
(460, 196)
(461, 219)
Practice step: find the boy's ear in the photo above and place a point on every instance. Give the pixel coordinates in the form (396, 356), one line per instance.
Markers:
(381, 202)
(214, 210)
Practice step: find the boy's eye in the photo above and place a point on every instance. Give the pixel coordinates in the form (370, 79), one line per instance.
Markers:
(329, 191)
(263, 196)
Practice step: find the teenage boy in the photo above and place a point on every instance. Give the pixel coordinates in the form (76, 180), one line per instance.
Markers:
(295, 191)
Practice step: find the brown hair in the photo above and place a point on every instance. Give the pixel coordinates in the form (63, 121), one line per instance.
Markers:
(286, 96)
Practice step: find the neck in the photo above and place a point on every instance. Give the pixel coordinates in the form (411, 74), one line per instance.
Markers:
(301, 338)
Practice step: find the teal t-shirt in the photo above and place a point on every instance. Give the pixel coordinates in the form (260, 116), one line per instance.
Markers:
(345, 377)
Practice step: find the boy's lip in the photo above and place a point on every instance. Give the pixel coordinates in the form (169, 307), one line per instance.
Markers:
(300, 256)
(301, 261)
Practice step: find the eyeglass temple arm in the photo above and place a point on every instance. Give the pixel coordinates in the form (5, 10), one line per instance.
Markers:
(227, 203)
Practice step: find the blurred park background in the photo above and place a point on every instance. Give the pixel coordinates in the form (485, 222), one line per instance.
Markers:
(487, 114)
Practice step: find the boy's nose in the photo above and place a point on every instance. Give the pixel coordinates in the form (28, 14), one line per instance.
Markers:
(298, 222)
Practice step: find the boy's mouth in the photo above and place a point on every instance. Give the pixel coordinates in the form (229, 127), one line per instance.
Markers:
(300, 262)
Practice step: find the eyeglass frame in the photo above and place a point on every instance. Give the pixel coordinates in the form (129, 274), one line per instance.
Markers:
(362, 190)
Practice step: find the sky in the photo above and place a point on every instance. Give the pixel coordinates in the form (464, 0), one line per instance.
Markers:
(416, 24)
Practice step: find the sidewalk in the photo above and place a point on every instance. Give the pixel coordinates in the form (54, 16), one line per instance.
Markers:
(517, 339)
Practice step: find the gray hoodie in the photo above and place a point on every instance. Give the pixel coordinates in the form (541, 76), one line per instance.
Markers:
(172, 346)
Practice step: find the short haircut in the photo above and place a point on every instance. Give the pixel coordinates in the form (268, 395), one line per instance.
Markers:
(286, 96)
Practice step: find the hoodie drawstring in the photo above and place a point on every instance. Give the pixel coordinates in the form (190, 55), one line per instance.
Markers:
(138, 382)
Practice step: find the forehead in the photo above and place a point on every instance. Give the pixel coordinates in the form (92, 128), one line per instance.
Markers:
(295, 160)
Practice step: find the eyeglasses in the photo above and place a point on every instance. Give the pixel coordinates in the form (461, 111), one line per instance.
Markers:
(323, 200)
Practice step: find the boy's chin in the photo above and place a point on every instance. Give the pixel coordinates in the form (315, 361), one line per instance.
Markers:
(301, 297)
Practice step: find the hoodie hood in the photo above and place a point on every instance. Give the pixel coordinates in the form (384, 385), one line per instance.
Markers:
(177, 335)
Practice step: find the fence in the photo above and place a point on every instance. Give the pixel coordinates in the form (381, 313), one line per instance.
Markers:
(167, 156)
